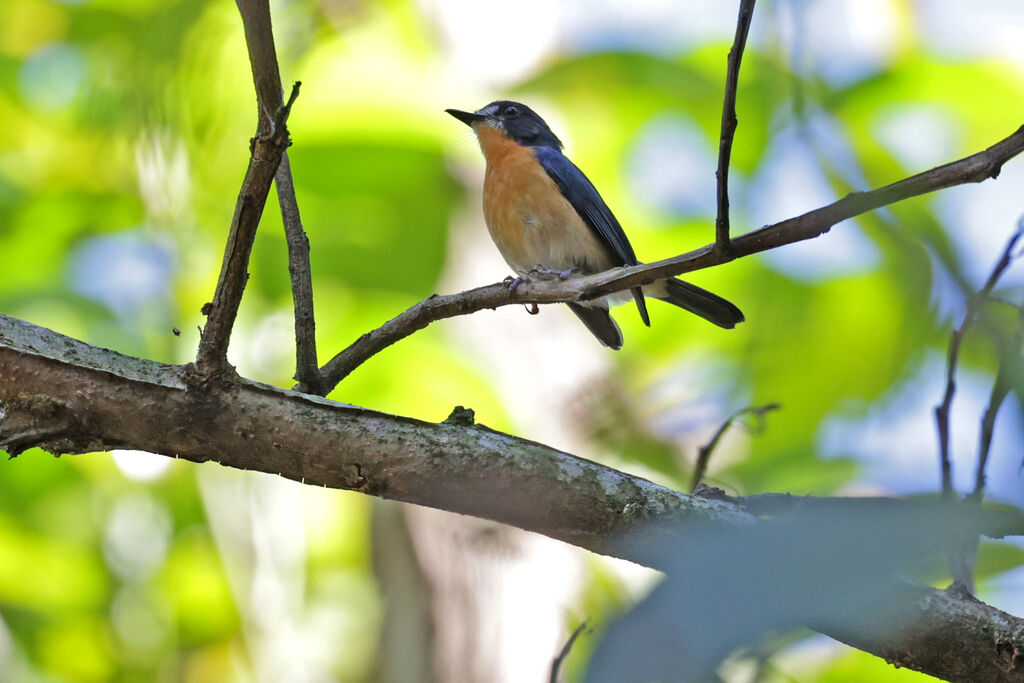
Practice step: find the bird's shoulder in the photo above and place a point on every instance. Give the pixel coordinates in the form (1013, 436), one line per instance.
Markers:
(584, 197)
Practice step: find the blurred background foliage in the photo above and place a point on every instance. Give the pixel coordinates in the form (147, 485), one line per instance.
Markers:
(124, 131)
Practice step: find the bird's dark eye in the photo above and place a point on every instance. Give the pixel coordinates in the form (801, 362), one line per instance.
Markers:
(511, 111)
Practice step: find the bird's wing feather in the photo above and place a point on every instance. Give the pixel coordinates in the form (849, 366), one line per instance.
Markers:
(584, 197)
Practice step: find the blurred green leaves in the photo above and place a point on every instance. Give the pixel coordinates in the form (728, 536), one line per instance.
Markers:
(382, 214)
(47, 574)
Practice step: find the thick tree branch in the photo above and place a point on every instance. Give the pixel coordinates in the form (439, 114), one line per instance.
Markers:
(267, 149)
(68, 397)
(732, 78)
(86, 399)
(972, 169)
(942, 633)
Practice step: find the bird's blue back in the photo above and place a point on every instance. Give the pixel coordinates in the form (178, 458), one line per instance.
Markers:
(584, 197)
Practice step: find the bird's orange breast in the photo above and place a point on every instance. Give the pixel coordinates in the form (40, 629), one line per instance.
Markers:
(529, 219)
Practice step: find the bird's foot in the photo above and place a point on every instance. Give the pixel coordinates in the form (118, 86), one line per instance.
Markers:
(548, 273)
(513, 284)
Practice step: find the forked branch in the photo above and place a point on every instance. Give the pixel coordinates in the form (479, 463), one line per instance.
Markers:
(267, 147)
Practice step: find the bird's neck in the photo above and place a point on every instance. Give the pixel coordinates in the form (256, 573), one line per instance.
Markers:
(494, 144)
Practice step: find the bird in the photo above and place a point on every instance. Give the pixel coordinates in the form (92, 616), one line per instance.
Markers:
(547, 218)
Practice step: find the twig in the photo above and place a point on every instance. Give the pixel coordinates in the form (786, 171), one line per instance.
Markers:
(285, 110)
(705, 451)
(307, 369)
(729, 123)
(266, 76)
(972, 169)
(1000, 389)
(1010, 366)
(963, 547)
(557, 663)
(953, 356)
(267, 148)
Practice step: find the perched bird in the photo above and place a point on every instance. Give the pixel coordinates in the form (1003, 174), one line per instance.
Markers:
(546, 217)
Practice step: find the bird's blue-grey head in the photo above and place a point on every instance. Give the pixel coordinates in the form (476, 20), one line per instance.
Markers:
(514, 120)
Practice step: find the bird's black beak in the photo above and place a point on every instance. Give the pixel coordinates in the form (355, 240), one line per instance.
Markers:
(466, 117)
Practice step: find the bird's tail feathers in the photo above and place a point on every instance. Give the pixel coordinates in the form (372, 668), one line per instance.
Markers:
(711, 307)
(641, 305)
(600, 323)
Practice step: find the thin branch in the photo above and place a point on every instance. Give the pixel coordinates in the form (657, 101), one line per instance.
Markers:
(1011, 372)
(267, 81)
(266, 76)
(307, 369)
(972, 169)
(1000, 390)
(705, 451)
(267, 148)
(1010, 366)
(963, 547)
(557, 663)
(436, 307)
(953, 355)
(975, 168)
(729, 122)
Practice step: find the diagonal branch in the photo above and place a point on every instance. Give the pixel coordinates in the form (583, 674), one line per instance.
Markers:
(729, 122)
(972, 169)
(267, 148)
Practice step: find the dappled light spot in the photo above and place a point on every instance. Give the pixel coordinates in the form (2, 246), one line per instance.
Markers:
(790, 182)
(123, 271)
(140, 465)
(920, 136)
(668, 168)
(137, 536)
(51, 78)
(895, 440)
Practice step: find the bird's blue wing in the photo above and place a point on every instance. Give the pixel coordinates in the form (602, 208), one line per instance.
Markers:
(584, 197)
